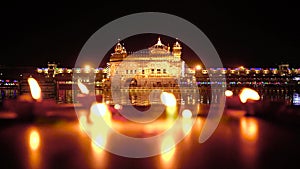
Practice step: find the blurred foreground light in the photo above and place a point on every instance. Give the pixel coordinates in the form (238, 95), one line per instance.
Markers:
(187, 114)
(228, 93)
(198, 67)
(35, 89)
(168, 99)
(249, 129)
(34, 140)
(100, 110)
(117, 106)
(167, 148)
(248, 94)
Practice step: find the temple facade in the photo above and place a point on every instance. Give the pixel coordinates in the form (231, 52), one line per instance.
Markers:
(156, 66)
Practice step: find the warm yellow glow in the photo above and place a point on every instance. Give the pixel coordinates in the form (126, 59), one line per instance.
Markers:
(83, 88)
(82, 123)
(35, 89)
(96, 148)
(167, 148)
(248, 93)
(34, 140)
(99, 129)
(186, 113)
(198, 67)
(249, 129)
(228, 93)
(87, 66)
(171, 112)
(34, 144)
(100, 110)
(168, 99)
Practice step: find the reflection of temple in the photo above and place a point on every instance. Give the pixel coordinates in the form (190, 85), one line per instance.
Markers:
(156, 66)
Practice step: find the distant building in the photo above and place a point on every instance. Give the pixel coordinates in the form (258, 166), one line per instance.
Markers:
(156, 66)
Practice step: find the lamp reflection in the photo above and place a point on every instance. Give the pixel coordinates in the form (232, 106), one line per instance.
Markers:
(187, 121)
(167, 148)
(101, 119)
(34, 145)
(249, 129)
(34, 140)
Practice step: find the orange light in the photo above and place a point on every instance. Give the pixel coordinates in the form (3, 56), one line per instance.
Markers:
(35, 89)
(228, 93)
(248, 93)
(198, 67)
(249, 129)
(100, 110)
(167, 148)
(83, 88)
(34, 140)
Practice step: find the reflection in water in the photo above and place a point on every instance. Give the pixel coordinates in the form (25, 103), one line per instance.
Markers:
(186, 114)
(167, 148)
(34, 140)
(169, 100)
(187, 125)
(249, 145)
(171, 112)
(34, 144)
(97, 156)
(98, 111)
(187, 121)
(249, 129)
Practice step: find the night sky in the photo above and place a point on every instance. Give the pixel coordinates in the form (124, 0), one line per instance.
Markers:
(249, 34)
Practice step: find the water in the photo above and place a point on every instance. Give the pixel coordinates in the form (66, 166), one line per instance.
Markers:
(243, 142)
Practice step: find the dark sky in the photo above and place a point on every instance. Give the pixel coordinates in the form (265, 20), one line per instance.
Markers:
(249, 34)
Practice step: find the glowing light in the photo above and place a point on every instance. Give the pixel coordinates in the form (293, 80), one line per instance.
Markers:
(168, 99)
(34, 140)
(171, 113)
(118, 106)
(187, 113)
(98, 141)
(249, 129)
(167, 148)
(35, 89)
(83, 88)
(82, 123)
(228, 93)
(248, 93)
(99, 110)
(87, 66)
(198, 67)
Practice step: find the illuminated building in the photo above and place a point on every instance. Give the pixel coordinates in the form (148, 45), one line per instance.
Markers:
(156, 66)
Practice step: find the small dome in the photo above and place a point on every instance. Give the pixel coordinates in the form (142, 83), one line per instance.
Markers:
(118, 48)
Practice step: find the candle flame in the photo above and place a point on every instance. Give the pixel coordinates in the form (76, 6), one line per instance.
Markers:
(83, 88)
(168, 99)
(248, 93)
(35, 89)
(228, 93)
